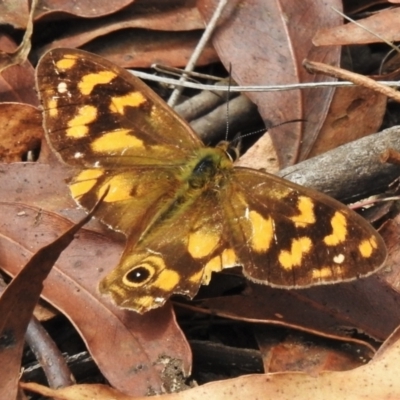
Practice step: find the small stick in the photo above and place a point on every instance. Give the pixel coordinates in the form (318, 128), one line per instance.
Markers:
(199, 48)
(361, 80)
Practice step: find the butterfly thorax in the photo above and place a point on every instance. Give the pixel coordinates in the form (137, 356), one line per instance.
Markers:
(203, 176)
(207, 168)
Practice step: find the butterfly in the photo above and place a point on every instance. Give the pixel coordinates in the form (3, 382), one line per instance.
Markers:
(186, 210)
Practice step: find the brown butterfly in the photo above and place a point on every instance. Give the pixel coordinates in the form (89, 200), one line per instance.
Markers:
(185, 209)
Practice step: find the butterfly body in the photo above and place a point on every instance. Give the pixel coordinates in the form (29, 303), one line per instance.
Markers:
(185, 209)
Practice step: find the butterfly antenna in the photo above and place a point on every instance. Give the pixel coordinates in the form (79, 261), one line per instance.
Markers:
(239, 137)
(228, 93)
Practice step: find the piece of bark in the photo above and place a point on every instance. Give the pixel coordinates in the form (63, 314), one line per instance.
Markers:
(350, 171)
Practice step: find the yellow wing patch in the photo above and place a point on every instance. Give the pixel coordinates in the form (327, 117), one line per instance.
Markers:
(84, 182)
(90, 81)
(116, 140)
(52, 107)
(120, 187)
(134, 99)
(77, 126)
(325, 273)
(292, 258)
(202, 243)
(367, 247)
(306, 212)
(339, 230)
(167, 280)
(67, 62)
(227, 259)
(262, 232)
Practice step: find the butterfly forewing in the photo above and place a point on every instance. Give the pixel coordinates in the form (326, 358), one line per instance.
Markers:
(97, 114)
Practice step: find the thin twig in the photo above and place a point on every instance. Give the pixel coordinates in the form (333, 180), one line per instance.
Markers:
(259, 88)
(197, 51)
(48, 355)
(361, 80)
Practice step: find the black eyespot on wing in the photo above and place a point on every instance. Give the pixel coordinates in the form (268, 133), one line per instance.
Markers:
(138, 275)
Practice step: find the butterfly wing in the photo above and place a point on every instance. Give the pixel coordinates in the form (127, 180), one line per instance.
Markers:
(175, 256)
(135, 195)
(290, 236)
(99, 115)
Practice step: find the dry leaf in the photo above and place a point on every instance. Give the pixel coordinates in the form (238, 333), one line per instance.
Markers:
(271, 38)
(376, 380)
(383, 23)
(18, 301)
(125, 345)
(20, 131)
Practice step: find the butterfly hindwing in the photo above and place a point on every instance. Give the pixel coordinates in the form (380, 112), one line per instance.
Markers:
(134, 196)
(187, 235)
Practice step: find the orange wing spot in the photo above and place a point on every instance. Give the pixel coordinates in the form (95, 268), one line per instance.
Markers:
(197, 277)
(327, 273)
(52, 107)
(322, 273)
(89, 81)
(367, 247)
(214, 265)
(306, 215)
(339, 230)
(84, 182)
(77, 126)
(262, 232)
(115, 141)
(202, 243)
(120, 189)
(167, 280)
(67, 62)
(293, 257)
(227, 259)
(133, 99)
